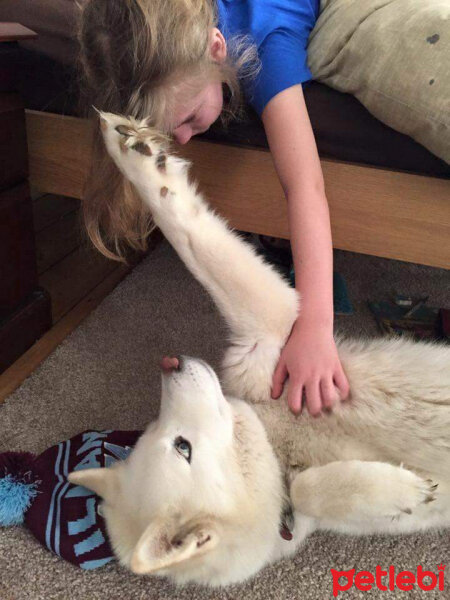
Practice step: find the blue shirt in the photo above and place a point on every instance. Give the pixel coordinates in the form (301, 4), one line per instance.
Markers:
(280, 29)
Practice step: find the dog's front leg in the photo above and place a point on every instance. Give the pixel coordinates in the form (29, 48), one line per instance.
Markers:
(357, 490)
(257, 303)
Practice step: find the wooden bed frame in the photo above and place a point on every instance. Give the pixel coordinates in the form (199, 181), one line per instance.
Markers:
(373, 211)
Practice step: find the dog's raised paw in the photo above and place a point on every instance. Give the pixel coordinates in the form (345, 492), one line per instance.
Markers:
(130, 133)
(141, 154)
(137, 148)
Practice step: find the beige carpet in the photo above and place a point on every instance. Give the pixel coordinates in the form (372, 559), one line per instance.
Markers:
(105, 376)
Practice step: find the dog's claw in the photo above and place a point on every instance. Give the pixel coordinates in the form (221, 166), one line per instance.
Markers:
(432, 487)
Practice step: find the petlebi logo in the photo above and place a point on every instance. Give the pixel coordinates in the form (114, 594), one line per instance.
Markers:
(389, 579)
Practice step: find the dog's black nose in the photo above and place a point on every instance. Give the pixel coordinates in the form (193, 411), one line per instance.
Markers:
(169, 364)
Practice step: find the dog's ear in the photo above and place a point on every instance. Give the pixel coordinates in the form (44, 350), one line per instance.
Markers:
(164, 544)
(102, 481)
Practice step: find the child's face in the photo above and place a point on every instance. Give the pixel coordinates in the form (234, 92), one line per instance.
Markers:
(198, 114)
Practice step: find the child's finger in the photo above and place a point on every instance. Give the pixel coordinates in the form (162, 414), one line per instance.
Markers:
(295, 393)
(328, 392)
(313, 399)
(340, 381)
(279, 377)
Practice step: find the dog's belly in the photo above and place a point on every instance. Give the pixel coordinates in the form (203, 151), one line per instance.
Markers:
(398, 412)
(305, 441)
(415, 434)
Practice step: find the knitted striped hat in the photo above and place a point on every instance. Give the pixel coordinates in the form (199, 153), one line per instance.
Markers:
(34, 490)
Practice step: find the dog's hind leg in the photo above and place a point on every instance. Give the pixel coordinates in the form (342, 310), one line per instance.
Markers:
(358, 491)
(257, 304)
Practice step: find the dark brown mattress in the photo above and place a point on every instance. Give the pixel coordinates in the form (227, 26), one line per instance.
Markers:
(344, 129)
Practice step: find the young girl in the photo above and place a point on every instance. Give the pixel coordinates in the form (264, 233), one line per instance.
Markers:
(172, 61)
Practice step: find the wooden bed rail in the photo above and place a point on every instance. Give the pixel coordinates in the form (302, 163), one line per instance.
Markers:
(373, 211)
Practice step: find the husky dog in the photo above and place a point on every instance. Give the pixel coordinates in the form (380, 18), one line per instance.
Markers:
(220, 482)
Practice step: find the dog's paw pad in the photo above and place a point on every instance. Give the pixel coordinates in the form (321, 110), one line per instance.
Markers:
(142, 148)
(161, 162)
(124, 130)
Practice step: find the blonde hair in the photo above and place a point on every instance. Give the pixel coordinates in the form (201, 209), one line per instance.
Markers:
(134, 56)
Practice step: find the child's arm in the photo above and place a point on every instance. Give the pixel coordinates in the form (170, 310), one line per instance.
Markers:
(310, 357)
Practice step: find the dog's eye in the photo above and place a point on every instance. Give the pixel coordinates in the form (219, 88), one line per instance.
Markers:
(183, 447)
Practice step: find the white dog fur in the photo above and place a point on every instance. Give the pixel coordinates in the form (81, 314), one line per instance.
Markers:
(211, 512)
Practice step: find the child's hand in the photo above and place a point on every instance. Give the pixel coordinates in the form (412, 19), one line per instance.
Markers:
(311, 361)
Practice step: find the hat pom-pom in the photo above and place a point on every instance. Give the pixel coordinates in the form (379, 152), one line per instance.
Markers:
(17, 487)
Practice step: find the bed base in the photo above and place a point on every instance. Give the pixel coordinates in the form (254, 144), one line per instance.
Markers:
(373, 211)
